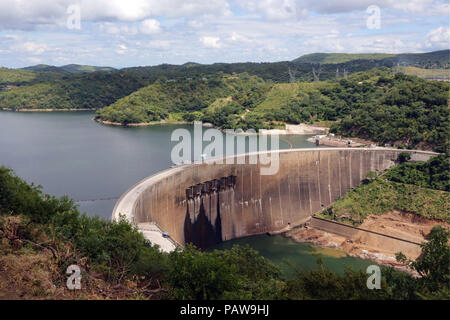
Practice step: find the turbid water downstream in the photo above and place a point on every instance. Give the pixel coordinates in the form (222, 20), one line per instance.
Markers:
(69, 154)
(290, 255)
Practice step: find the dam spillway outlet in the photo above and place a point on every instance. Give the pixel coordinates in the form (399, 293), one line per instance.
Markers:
(204, 202)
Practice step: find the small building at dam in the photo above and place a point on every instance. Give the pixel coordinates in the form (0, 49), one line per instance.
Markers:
(206, 203)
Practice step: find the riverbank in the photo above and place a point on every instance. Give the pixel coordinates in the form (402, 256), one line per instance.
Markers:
(331, 140)
(300, 129)
(297, 129)
(49, 110)
(364, 245)
(143, 124)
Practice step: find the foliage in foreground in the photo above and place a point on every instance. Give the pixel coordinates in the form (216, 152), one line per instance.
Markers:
(118, 252)
(32, 223)
(434, 263)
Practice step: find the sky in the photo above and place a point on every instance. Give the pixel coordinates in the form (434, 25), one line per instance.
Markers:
(124, 33)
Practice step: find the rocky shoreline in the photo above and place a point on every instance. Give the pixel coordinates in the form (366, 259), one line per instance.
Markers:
(363, 245)
(301, 129)
(324, 239)
(49, 110)
(119, 124)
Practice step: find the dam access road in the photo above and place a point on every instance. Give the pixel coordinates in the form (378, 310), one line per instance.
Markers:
(207, 203)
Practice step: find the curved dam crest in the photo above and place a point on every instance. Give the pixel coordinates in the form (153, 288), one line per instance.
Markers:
(207, 203)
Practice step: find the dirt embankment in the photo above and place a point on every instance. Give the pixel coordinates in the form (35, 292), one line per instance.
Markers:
(31, 270)
(300, 129)
(365, 245)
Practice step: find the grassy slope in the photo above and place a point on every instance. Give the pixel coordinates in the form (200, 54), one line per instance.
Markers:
(12, 76)
(279, 94)
(70, 68)
(382, 196)
(417, 187)
(426, 73)
(333, 58)
(427, 59)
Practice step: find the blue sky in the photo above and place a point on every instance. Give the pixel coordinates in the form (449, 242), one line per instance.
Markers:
(122, 33)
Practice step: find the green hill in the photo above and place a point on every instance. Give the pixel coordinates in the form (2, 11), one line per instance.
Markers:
(43, 68)
(70, 68)
(13, 76)
(436, 59)
(333, 58)
(157, 101)
(375, 105)
(48, 90)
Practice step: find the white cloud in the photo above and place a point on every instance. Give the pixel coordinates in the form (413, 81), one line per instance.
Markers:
(285, 9)
(34, 60)
(122, 49)
(22, 14)
(193, 30)
(196, 24)
(118, 29)
(386, 43)
(275, 9)
(422, 7)
(211, 42)
(33, 47)
(150, 26)
(439, 38)
(159, 44)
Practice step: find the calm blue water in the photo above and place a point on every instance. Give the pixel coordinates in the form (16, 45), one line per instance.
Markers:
(70, 154)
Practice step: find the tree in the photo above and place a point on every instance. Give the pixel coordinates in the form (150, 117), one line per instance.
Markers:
(403, 157)
(433, 265)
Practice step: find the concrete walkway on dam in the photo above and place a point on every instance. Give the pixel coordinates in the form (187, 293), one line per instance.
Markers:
(156, 236)
(206, 203)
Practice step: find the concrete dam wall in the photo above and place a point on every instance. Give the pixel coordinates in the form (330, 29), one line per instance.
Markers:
(207, 203)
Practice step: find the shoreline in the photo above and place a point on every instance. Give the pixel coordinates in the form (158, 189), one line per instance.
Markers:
(49, 110)
(314, 239)
(365, 246)
(307, 129)
(142, 124)
(301, 129)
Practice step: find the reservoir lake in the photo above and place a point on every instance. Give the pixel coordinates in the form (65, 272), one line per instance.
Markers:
(70, 154)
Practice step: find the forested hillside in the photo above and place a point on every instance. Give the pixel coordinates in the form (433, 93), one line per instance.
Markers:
(400, 109)
(363, 97)
(69, 68)
(435, 59)
(53, 88)
(48, 90)
(376, 105)
(190, 99)
(340, 57)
